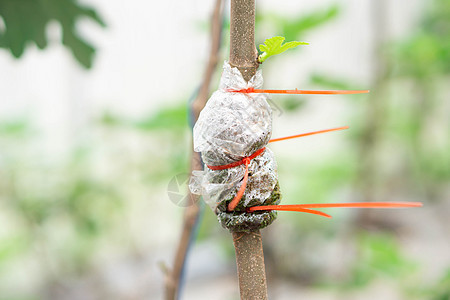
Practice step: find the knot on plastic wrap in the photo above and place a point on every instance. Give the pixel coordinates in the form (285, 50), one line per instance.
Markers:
(231, 134)
(245, 91)
(244, 161)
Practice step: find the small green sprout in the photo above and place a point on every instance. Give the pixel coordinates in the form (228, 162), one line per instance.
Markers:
(274, 46)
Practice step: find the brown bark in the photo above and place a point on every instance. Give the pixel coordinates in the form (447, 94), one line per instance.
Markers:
(250, 265)
(248, 245)
(243, 54)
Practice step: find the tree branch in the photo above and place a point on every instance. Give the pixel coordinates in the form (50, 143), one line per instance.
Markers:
(248, 245)
(191, 213)
(243, 53)
(250, 265)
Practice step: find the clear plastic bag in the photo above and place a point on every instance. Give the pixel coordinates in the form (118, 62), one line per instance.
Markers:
(233, 126)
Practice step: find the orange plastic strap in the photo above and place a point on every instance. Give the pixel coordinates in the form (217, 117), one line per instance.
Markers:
(296, 91)
(232, 205)
(306, 134)
(245, 161)
(237, 163)
(304, 207)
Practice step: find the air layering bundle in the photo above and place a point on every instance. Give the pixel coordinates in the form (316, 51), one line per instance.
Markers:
(239, 181)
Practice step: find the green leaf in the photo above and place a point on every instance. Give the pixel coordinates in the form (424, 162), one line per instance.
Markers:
(274, 46)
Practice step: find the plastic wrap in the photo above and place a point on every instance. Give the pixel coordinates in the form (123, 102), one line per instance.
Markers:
(233, 126)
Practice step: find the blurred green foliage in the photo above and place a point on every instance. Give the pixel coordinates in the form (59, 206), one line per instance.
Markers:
(25, 22)
(379, 256)
(170, 127)
(166, 119)
(419, 75)
(441, 290)
(423, 60)
(426, 53)
(333, 83)
(61, 212)
(68, 191)
(296, 27)
(412, 105)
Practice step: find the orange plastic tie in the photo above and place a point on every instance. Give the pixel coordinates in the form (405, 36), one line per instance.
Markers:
(237, 163)
(364, 205)
(287, 208)
(306, 134)
(305, 207)
(232, 205)
(296, 91)
(245, 161)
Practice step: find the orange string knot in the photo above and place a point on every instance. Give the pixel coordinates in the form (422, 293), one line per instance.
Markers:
(245, 161)
(244, 91)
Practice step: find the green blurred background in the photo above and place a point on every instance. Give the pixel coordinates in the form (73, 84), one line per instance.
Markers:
(94, 99)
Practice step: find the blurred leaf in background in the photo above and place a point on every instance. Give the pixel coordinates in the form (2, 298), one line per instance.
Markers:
(420, 121)
(169, 126)
(441, 290)
(380, 255)
(426, 53)
(296, 27)
(25, 22)
(54, 211)
(413, 107)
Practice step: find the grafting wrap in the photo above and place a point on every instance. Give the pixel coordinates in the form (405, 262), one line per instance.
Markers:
(233, 126)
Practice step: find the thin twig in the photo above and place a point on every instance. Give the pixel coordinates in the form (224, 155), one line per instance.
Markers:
(191, 213)
(248, 245)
